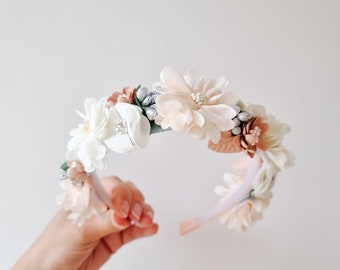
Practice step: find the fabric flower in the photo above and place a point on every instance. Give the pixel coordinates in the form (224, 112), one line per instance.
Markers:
(86, 144)
(132, 129)
(80, 200)
(252, 136)
(121, 128)
(245, 213)
(276, 152)
(76, 199)
(127, 95)
(195, 105)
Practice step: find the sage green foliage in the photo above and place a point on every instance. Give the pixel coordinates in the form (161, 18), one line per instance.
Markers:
(64, 166)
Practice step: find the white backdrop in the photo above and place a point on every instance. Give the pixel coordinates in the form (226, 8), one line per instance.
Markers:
(283, 54)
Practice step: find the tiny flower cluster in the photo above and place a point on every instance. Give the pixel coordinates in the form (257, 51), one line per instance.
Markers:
(189, 104)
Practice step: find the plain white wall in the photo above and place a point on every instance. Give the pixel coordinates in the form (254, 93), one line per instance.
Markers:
(282, 54)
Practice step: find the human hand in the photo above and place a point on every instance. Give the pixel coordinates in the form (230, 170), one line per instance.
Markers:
(63, 245)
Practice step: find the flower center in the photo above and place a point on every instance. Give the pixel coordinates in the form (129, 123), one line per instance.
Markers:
(121, 127)
(198, 98)
(86, 127)
(255, 133)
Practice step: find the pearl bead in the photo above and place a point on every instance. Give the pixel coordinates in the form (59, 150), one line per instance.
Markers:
(236, 121)
(198, 98)
(243, 116)
(236, 130)
(151, 113)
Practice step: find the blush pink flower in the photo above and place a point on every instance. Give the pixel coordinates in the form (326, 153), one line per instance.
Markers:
(193, 104)
(76, 171)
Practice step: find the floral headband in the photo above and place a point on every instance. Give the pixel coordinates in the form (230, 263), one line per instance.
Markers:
(189, 104)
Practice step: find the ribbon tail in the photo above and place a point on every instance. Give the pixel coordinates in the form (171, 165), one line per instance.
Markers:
(99, 190)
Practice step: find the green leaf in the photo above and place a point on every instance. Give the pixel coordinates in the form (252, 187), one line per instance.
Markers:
(137, 102)
(64, 166)
(157, 128)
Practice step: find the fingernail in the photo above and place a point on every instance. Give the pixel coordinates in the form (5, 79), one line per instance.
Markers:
(136, 211)
(124, 208)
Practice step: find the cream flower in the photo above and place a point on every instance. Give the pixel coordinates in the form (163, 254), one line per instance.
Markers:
(276, 152)
(195, 105)
(241, 216)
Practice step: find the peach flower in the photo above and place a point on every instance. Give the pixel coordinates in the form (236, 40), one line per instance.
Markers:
(252, 136)
(195, 105)
(127, 95)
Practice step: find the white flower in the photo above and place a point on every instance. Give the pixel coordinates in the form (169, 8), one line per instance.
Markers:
(195, 105)
(246, 212)
(86, 144)
(121, 128)
(132, 129)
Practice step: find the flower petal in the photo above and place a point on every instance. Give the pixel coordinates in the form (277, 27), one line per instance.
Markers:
(173, 80)
(198, 118)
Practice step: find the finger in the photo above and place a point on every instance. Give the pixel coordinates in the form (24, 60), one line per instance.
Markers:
(115, 218)
(147, 217)
(137, 202)
(131, 233)
(99, 226)
(121, 196)
(109, 244)
(135, 232)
